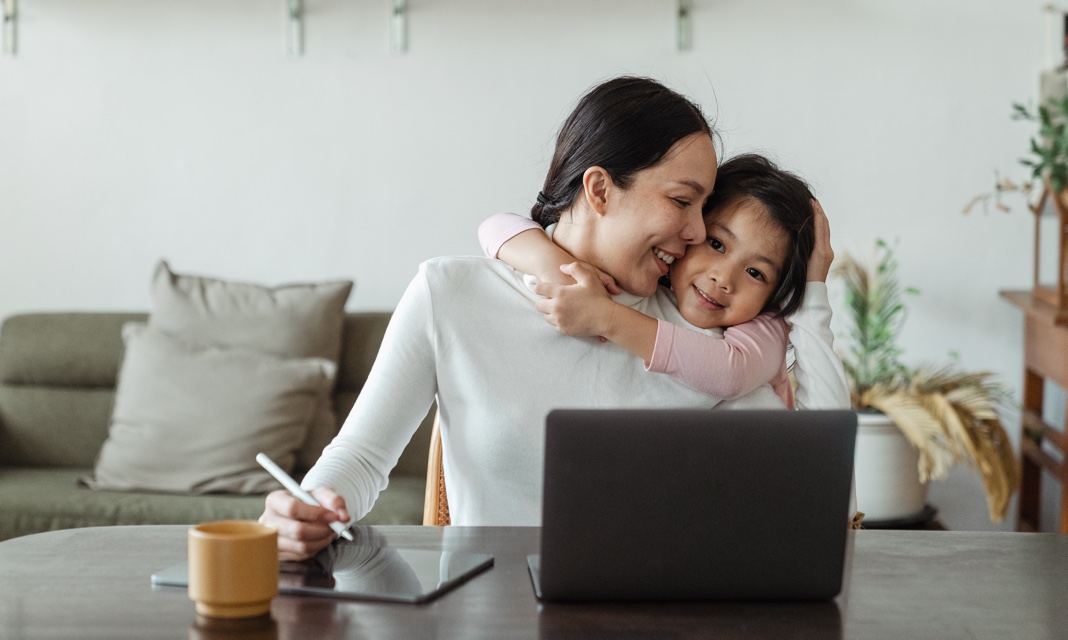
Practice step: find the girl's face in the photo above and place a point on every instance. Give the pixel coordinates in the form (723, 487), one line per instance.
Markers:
(656, 217)
(729, 279)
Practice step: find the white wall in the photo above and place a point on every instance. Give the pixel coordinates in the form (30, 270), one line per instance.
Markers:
(132, 130)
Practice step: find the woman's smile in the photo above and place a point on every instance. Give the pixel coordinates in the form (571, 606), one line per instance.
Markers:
(663, 255)
(664, 259)
(644, 226)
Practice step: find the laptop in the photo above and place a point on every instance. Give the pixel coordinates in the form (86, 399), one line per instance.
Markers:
(694, 504)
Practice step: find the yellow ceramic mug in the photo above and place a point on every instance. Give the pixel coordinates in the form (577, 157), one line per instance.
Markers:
(233, 568)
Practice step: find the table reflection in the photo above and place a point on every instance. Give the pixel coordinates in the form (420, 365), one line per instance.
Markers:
(654, 621)
(369, 569)
(348, 567)
(257, 628)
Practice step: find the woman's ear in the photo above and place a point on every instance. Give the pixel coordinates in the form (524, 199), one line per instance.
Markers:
(596, 185)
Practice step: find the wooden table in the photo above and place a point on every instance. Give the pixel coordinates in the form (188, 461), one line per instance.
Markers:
(1045, 358)
(94, 583)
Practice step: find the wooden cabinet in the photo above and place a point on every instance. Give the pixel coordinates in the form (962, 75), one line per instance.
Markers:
(1042, 446)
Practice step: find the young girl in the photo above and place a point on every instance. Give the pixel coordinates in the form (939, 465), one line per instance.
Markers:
(748, 275)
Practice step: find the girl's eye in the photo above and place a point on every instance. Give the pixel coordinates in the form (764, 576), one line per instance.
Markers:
(682, 203)
(715, 244)
(755, 273)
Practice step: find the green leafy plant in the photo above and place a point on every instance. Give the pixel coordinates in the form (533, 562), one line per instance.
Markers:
(949, 415)
(1048, 159)
(874, 300)
(1049, 149)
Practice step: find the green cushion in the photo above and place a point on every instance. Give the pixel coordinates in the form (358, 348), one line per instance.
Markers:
(53, 426)
(63, 349)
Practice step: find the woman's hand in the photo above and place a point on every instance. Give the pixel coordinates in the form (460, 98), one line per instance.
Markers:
(580, 309)
(819, 265)
(303, 529)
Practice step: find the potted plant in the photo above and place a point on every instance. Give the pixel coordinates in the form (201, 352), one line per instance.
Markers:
(914, 423)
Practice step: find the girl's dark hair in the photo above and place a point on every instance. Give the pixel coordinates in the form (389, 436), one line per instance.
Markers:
(788, 201)
(623, 125)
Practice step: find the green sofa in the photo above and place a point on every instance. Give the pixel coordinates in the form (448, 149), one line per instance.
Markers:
(57, 384)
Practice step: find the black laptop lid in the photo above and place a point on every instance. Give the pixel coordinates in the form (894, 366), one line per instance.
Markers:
(695, 504)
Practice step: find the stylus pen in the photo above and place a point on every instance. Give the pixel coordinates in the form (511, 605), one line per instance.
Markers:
(291, 485)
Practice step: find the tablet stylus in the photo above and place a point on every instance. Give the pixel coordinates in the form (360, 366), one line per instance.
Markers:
(291, 485)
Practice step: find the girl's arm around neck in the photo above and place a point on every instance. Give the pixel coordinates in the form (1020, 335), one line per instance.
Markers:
(587, 309)
(531, 251)
(499, 229)
(745, 357)
(522, 244)
(632, 330)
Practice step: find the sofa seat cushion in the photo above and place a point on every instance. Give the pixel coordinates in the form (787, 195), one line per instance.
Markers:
(34, 499)
(41, 499)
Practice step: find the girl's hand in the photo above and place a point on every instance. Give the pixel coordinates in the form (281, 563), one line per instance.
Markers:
(819, 265)
(581, 309)
(562, 275)
(607, 281)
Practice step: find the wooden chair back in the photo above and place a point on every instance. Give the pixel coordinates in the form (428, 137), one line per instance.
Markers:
(436, 501)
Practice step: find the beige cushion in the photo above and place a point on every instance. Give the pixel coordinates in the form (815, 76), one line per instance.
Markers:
(289, 321)
(190, 418)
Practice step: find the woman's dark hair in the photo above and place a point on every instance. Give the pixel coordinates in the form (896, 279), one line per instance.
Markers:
(623, 126)
(788, 201)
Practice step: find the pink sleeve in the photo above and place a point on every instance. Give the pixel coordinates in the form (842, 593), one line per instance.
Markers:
(500, 228)
(745, 357)
(782, 387)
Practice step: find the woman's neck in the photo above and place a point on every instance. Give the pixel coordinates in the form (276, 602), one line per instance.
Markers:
(574, 235)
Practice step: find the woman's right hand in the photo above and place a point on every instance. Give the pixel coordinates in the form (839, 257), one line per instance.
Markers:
(303, 529)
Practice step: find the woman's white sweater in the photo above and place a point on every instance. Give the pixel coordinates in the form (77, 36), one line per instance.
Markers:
(466, 331)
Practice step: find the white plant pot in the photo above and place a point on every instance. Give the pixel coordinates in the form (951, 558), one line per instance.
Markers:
(887, 469)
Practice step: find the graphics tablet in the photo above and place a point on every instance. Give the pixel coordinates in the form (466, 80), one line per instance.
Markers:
(359, 572)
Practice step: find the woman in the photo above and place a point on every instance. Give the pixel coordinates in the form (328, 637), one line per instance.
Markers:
(633, 166)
